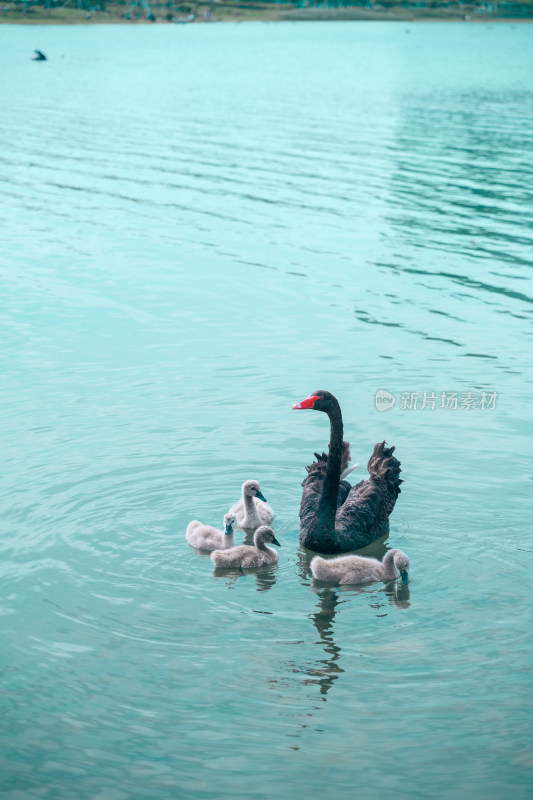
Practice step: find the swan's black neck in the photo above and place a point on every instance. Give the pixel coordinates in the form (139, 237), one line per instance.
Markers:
(327, 505)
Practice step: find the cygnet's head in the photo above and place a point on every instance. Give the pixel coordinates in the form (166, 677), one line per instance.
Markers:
(266, 535)
(252, 488)
(401, 562)
(230, 521)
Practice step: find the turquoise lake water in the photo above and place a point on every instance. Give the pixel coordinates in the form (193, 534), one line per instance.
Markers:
(200, 226)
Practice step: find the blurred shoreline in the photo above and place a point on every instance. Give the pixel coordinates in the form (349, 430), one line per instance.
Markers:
(226, 11)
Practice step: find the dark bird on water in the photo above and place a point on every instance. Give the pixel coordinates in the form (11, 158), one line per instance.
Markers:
(39, 56)
(336, 517)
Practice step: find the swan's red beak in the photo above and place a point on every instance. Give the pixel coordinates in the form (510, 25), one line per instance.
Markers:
(309, 402)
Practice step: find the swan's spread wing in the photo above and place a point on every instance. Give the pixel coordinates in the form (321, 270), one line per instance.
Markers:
(369, 503)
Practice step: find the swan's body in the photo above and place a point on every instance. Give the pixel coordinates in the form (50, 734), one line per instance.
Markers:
(206, 537)
(252, 510)
(246, 556)
(358, 569)
(334, 516)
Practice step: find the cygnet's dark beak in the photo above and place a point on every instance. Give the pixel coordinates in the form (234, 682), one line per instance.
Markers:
(405, 577)
(228, 529)
(275, 541)
(261, 496)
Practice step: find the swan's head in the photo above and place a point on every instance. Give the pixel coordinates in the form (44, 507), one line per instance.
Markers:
(265, 535)
(401, 562)
(252, 488)
(230, 520)
(319, 400)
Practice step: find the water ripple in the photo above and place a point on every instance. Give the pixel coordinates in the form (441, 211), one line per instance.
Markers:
(193, 240)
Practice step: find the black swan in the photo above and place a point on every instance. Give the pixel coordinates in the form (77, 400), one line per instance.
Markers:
(334, 516)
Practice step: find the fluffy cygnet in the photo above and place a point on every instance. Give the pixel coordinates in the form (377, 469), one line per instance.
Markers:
(358, 569)
(247, 556)
(208, 538)
(252, 509)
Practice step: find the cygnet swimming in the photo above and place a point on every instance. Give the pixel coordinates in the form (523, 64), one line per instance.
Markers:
(252, 509)
(208, 538)
(359, 569)
(246, 556)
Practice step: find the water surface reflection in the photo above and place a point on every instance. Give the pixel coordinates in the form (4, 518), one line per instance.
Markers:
(265, 577)
(327, 669)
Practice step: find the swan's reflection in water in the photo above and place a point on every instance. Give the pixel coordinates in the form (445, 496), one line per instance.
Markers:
(397, 594)
(248, 535)
(327, 670)
(265, 577)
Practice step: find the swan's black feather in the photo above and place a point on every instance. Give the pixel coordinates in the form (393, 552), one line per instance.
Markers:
(312, 485)
(364, 515)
